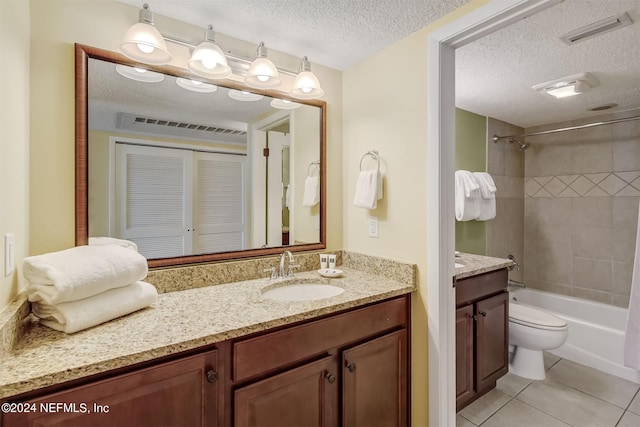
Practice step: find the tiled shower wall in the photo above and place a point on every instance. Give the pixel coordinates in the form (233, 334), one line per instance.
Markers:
(581, 195)
(505, 163)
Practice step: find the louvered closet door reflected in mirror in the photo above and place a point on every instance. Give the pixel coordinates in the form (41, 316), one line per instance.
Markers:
(174, 202)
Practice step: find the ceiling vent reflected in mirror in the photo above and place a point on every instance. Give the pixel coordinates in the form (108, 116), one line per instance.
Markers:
(155, 126)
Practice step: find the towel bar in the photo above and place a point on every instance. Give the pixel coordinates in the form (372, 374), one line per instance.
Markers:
(373, 154)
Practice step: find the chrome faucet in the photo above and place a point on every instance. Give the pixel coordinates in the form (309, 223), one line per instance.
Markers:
(291, 266)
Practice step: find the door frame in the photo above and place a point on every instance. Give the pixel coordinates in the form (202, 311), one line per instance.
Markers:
(442, 44)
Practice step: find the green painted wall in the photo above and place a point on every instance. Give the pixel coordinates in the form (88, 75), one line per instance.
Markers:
(471, 155)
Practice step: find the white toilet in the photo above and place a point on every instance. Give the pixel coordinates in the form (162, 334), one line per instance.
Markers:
(531, 331)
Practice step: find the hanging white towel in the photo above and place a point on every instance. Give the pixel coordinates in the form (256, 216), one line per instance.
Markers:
(311, 195)
(75, 316)
(487, 198)
(467, 196)
(368, 189)
(97, 241)
(632, 335)
(81, 272)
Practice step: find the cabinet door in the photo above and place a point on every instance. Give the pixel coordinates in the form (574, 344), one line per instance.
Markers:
(492, 340)
(464, 355)
(178, 393)
(303, 397)
(375, 382)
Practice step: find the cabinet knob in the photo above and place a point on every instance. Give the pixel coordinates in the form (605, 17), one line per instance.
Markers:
(212, 376)
(330, 377)
(351, 367)
(483, 313)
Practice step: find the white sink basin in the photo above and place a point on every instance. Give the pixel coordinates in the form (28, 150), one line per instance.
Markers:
(458, 265)
(301, 291)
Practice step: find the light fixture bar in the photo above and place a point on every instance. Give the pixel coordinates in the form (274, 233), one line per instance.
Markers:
(239, 64)
(597, 28)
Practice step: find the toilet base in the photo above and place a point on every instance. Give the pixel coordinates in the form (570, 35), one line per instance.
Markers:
(527, 363)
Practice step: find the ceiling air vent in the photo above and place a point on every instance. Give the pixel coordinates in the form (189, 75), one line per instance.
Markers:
(175, 128)
(597, 28)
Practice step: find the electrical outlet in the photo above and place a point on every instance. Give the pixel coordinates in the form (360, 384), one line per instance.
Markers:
(9, 259)
(373, 226)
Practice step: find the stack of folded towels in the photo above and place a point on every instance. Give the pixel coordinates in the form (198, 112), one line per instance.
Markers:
(475, 196)
(85, 286)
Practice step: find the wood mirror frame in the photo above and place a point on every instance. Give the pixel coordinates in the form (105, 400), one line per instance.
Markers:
(82, 55)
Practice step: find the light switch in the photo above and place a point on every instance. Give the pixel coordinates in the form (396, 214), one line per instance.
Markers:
(9, 259)
(373, 226)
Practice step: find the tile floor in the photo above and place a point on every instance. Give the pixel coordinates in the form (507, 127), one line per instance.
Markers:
(571, 395)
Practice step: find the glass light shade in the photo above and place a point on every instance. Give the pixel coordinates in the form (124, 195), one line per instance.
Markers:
(144, 43)
(263, 74)
(306, 86)
(139, 74)
(284, 104)
(196, 86)
(241, 95)
(209, 61)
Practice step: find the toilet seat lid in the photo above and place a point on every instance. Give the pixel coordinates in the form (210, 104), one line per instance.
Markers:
(528, 315)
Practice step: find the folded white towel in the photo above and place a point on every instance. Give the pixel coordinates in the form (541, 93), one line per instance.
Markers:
(488, 196)
(81, 272)
(75, 316)
(311, 195)
(98, 241)
(467, 196)
(368, 189)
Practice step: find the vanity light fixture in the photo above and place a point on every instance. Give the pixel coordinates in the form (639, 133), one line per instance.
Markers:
(568, 86)
(262, 73)
(243, 95)
(139, 74)
(208, 60)
(284, 104)
(306, 85)
(195, 85)
(143, 42)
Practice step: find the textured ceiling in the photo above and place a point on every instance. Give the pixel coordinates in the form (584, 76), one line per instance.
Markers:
(494, 75)
(335, 33)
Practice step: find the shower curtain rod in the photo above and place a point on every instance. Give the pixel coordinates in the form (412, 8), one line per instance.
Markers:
(497, 138)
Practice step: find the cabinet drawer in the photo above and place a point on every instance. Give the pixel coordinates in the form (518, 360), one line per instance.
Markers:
(267, 352)
(481, 286)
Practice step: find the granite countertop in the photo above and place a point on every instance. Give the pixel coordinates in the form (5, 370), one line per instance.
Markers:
(179, 321)
(473, 265)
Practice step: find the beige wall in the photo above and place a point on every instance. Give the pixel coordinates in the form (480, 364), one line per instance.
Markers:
(385, 108)
(14, 139)
(38, 115)
(582, 190)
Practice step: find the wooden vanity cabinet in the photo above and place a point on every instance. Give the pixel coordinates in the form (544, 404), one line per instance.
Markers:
(349, 369)
(345, 369)
(183, 392)
(482, 334)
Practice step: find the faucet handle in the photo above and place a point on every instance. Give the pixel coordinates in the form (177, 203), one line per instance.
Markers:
(271, 270)
(291, 267)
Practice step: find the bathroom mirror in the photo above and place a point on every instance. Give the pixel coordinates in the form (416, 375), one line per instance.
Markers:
(195, 170)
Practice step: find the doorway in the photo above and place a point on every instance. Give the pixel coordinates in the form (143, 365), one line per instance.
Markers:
(442, 44)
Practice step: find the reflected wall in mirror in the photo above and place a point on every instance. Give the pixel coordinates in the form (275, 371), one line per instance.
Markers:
(194, 170)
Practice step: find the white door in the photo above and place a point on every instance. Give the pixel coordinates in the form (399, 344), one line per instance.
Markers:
(153, 199)
(219, 203)
(275, 188)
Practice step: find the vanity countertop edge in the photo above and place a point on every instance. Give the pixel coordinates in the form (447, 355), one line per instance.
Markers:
(178, 322)
(478, 264)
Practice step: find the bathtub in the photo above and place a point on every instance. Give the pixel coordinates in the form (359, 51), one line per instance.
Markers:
(596, 330)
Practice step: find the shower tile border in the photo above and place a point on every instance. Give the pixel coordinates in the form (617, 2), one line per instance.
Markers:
(605, 184)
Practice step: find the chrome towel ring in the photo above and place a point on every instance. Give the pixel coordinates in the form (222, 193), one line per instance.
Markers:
(373, 154)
